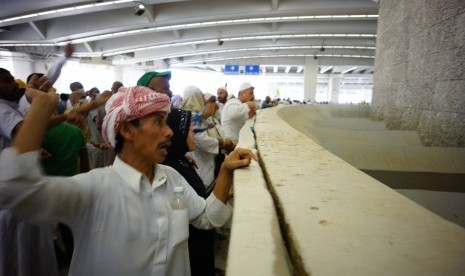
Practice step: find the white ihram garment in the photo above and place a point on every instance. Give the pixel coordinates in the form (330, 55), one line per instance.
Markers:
(233, 118)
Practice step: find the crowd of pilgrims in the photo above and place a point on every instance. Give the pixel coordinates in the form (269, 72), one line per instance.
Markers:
(205, 129)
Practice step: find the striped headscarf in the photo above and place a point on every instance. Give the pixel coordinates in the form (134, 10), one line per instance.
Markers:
(128, 104)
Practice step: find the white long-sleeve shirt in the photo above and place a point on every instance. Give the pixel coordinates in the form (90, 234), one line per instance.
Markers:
(25, 249)
(121, 224)
(233, 118)
(206, 148)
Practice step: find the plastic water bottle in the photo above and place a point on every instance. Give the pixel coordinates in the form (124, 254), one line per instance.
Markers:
(179, 225)
(179, 199)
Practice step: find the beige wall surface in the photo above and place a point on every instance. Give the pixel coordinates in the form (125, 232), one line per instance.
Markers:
(419, 79)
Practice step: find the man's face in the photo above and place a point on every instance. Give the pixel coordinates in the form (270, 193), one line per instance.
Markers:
(76, 97)
(247, 95)
(93, 94)
(9, 89)
(160, 85)
(151, 138)
(221, 95)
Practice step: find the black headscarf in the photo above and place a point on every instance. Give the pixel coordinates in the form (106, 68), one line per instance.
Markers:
(179, 121)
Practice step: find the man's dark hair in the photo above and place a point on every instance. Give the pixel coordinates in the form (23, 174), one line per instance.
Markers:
(39, 75)
(64, 96)
(5, 76)
(3, 71)
(76, 86)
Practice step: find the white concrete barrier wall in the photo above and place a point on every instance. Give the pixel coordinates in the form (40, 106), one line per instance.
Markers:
(337, 220)
(256, 246)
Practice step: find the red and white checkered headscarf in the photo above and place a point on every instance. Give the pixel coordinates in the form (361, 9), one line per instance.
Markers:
(129, 104)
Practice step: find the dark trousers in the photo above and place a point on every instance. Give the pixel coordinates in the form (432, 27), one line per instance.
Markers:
(201, 251)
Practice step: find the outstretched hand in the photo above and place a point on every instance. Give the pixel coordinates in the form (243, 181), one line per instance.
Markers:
(36, 88)
(236, 159)
(239, 158)
(42, 83)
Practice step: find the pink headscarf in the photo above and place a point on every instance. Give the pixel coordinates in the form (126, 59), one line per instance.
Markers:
(129, 104)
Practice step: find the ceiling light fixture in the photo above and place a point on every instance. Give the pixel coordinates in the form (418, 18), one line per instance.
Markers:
(199, 24)
(109, 53)
(139, 9)
(63, 10)
(348, 70)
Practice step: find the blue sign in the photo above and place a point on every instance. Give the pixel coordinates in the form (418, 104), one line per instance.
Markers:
(252, 69)
(231, 69)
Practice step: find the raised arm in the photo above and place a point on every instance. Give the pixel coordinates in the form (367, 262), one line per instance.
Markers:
(31, 132)
(56, 198)
(87, 107)
(55, 71)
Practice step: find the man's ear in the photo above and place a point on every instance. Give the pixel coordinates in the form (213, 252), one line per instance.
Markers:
(126, 130)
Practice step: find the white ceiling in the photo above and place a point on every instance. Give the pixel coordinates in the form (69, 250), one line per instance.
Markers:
(277, 34)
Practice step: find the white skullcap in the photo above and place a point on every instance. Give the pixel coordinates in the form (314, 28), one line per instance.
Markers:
(244, 86)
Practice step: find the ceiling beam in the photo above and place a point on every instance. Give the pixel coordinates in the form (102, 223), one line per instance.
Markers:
(177, 34)
(40, 30)
(326, 69)
(274, 5)
(150, 13)
(349, 70)
(88, 46)
(216, 68)
(274, 26)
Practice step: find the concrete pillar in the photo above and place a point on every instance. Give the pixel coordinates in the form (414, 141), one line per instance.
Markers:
(310, 78)
(334, 83)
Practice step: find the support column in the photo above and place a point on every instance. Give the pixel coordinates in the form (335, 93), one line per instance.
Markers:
(334, 83)
(310, 78)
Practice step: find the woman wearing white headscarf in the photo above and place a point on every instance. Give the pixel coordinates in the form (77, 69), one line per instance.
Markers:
(207, 147)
